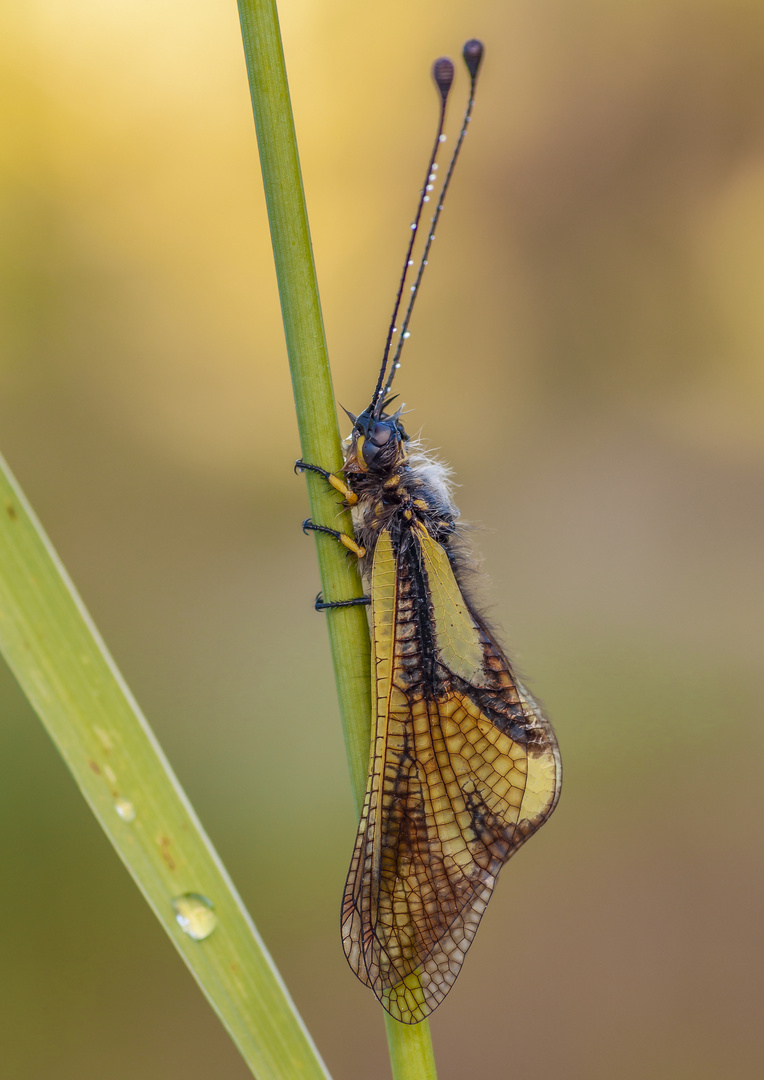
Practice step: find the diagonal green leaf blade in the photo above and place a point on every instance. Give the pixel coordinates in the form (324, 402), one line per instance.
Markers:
(61, 663)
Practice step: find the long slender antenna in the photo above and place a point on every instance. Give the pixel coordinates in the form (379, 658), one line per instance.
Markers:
(443, 74)
(473, 55)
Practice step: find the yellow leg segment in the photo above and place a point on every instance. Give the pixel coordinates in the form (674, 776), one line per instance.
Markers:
(344, 539)
(339, 485)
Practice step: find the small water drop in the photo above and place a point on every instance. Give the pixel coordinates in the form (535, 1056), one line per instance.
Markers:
(195, 915)
(125, 809)
(407, 333)
(435, 167)
(413, 288)
(426, 198)
(413, 226)
(397, 364)
(429, 187)
(410, 262)
(441, 138)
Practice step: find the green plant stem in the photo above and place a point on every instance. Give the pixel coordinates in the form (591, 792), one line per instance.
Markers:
(410, 1047)
(63, 667)
(309, 366)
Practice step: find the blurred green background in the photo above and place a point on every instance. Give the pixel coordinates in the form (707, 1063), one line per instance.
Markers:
(587, 354)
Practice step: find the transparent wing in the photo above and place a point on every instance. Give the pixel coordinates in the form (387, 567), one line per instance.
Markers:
(464, 767)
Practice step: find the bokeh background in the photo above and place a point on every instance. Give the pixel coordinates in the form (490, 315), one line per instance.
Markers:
(587, 353)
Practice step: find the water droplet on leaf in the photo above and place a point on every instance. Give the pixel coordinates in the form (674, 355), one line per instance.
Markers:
(195, 915)
(125, 809)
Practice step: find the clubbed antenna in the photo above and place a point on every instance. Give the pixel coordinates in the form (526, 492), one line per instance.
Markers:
(443, 74)
(473, 55)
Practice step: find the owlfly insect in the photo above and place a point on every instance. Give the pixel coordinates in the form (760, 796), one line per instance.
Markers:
(464, 765)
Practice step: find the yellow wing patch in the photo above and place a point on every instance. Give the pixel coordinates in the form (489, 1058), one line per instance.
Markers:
(452, 791)
(457, 638)
(383, 593)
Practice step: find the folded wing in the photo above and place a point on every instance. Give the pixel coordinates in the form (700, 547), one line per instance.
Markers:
(463, 769)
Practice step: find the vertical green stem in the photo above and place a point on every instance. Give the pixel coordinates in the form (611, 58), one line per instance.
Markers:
(309, 365)
(410, 1047)
(411, 1052)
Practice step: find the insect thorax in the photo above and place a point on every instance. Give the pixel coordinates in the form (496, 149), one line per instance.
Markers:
(414, 490)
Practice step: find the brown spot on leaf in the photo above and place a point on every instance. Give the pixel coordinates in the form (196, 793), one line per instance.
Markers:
(95, 767)
(164, 850)
(10, 510)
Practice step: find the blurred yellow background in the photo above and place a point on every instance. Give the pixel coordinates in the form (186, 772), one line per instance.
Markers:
(587, 354)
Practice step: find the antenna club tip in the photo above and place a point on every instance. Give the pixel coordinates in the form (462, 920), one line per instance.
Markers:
(443, 74)
(473, 56)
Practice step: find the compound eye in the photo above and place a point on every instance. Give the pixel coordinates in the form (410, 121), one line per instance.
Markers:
(380, 434)
(374, 447)
(367, 450)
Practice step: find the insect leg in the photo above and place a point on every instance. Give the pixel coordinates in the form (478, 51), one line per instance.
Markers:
(344, 539)
(326, 605)
(350, 544)
(350, 498)
(347, 541)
